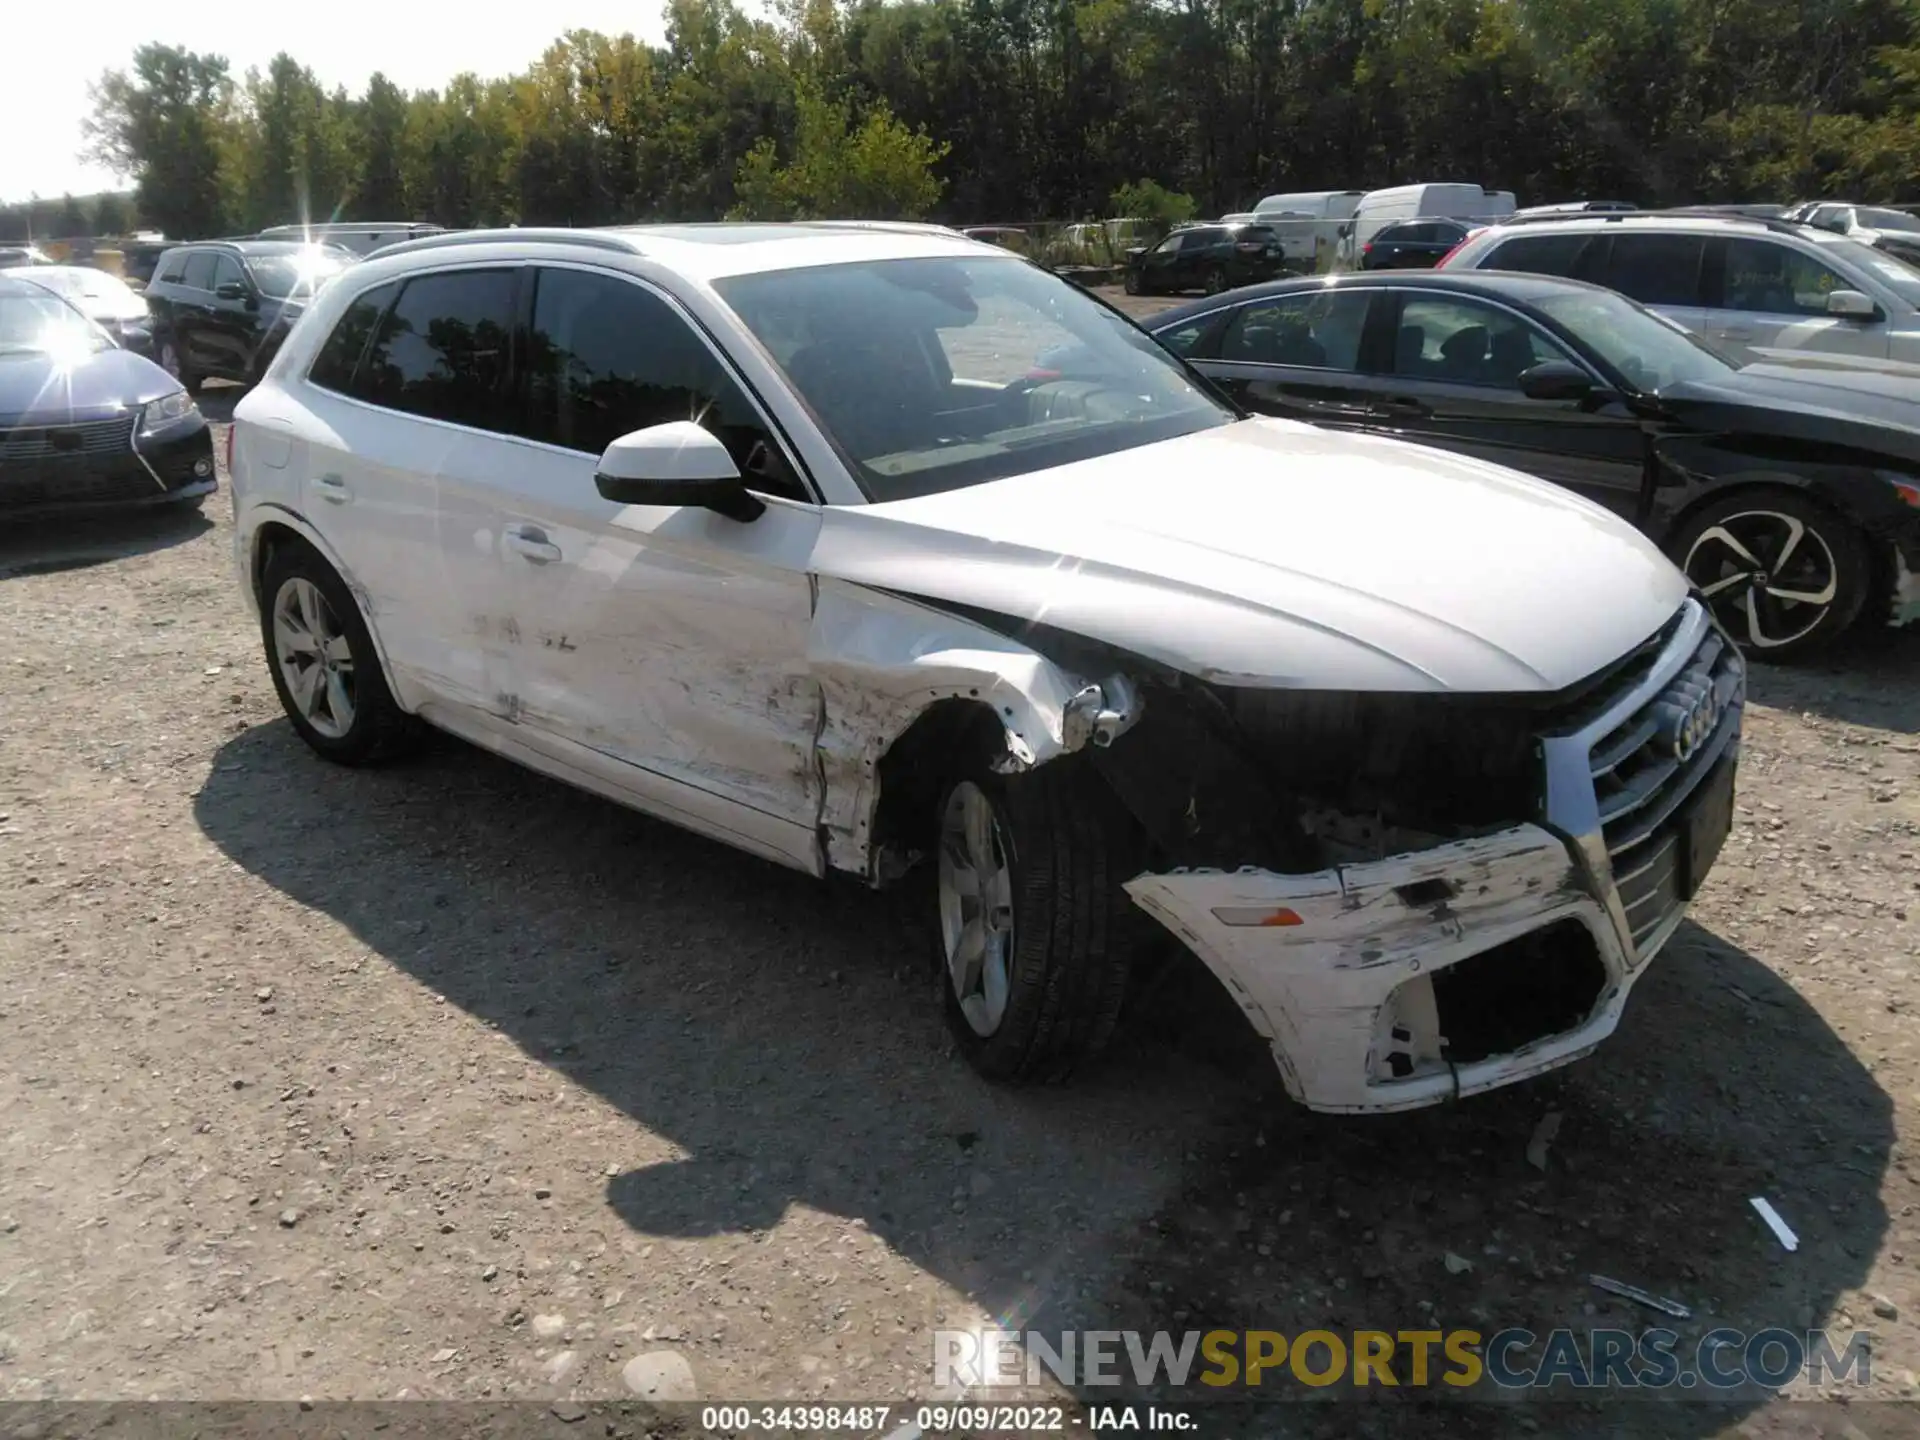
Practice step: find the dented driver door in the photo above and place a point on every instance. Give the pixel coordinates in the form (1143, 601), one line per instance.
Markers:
(669, 640)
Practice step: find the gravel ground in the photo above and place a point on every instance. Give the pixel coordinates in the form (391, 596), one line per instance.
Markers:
(444, 1081)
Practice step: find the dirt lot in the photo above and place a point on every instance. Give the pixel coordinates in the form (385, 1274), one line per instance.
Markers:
(447, 1081)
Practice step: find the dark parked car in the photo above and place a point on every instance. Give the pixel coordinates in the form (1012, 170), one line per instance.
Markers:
(1790, 497)
(1205, 257)
(84, 423)
(222, 307)
(1411, 244)
(140, 258)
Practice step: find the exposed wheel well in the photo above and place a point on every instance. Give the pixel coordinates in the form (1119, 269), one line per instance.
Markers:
(948, 739)
(266, 540)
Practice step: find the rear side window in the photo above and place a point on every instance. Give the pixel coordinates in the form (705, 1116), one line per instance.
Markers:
(606, 357)
(199, 275)
(339, 358)
(175, 268)
(443, 350)
(1315, 329)
(1539, 254)
(1656, 269)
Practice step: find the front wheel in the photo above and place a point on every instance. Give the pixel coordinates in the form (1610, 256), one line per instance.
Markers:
(1032, 926)
(1132, 282)
(1216, 280)
(323, 662)
(1784, 575)
(173, 361)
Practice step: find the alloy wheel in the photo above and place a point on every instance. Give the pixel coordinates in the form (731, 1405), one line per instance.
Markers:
(315, 659)
(976, 906)
(170, 360)
(1769, 577)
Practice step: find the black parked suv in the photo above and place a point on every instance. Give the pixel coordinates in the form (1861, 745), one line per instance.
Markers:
(1411, 244)
(222, 307)
(1206, 257)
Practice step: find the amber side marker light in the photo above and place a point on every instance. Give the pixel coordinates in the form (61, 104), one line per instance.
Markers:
(1261, 916)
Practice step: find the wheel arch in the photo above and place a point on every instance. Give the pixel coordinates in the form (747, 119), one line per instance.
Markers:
(279, 528)
(910, 694)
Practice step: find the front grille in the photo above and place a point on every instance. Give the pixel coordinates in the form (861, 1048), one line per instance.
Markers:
(1646, 765)
(21, 442)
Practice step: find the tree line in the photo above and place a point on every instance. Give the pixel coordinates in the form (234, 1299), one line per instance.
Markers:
(1011, 110)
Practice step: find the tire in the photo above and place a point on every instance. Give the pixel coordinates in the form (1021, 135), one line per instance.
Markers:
(1067, 948)
(375, 728)
(1216, 280)
(1826, 561)
(173, 361)
(1132, 282)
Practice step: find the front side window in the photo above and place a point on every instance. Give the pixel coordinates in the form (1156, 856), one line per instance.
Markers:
(442, 351)
(1463, 342)
(1656, 269)
(931, 374)
(607, 357)
(1651, 352)
(1771, 279)
(339, 359)
(1319, 329)
(226, 271)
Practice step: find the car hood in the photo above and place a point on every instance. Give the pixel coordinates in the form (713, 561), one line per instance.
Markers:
(1877, 410)
(1267, 553)
(38, 387)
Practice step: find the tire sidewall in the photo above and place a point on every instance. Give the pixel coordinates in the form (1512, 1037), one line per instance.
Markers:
(298, 561)
(1002, 1052)
(1843, 540)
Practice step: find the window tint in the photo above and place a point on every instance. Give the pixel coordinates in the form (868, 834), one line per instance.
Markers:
(1774, 280)
(1182, 341)
(175, 267)
(1539, 254)
(199, 274)
(226, 270)
(338, 358)
(1656, 269)
(1463, 342)
(442, 350)
(607, 357)
(1318, 328)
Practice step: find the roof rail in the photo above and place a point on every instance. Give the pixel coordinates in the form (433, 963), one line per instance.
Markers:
(1772, 222)
(1614, 217)
(530, 235)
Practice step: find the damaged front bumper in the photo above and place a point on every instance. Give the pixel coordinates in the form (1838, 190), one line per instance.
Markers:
(1405, 981)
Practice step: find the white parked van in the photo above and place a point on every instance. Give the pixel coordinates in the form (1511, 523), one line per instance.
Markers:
(1308, 221)
(1380, 208)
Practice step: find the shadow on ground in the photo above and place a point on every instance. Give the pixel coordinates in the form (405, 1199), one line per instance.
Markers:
(43, 547)
(785, 1034)
(1871, 678)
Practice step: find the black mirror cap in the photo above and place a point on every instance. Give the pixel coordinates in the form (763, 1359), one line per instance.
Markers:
(730, 498)
(1556, 380)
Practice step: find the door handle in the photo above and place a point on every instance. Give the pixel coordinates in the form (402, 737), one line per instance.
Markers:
(531, 542)
(333, 489)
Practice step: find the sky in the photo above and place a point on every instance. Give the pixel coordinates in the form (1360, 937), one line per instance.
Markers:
(53, 57)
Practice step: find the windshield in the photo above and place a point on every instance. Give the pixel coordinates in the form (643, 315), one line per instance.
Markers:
(1898, 276)
(1887, 220)
(86, 285)
(1649, 352)
(43, 324)
(282, 276)
(932, 374)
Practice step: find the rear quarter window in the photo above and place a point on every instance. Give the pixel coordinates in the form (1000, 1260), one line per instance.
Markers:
(1539, 254)
(336, 366)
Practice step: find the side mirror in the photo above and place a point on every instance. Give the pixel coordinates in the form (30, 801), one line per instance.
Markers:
(1556, 380)
(1852, 305)
(678, 463)
(233, 290)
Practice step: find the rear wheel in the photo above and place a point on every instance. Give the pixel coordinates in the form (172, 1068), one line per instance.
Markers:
(1784, 575)
(1032, 924)
(323, 662)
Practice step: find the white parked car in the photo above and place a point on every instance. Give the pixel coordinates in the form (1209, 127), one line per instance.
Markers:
(1756, 289)
(780, 533)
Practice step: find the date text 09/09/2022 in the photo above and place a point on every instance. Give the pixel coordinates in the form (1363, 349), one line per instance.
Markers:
(934, 1420)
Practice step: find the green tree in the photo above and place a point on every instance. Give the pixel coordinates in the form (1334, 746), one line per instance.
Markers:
(875, 169)
(165, 124)
(381, 193)
(112, 215)
(74, 220)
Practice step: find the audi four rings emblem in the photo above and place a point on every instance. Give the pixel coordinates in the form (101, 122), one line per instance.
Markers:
(1687, 715)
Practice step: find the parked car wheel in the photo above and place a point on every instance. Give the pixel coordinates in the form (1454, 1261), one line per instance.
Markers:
(1030, 919)
(1783, 574)
(323, 662)
(172, 362)
(1216, 280)
(1132, 281)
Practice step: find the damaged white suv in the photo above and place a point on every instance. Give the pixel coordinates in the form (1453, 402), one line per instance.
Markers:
(862, 546)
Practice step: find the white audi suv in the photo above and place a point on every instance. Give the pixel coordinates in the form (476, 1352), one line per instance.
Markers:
(876, 549)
